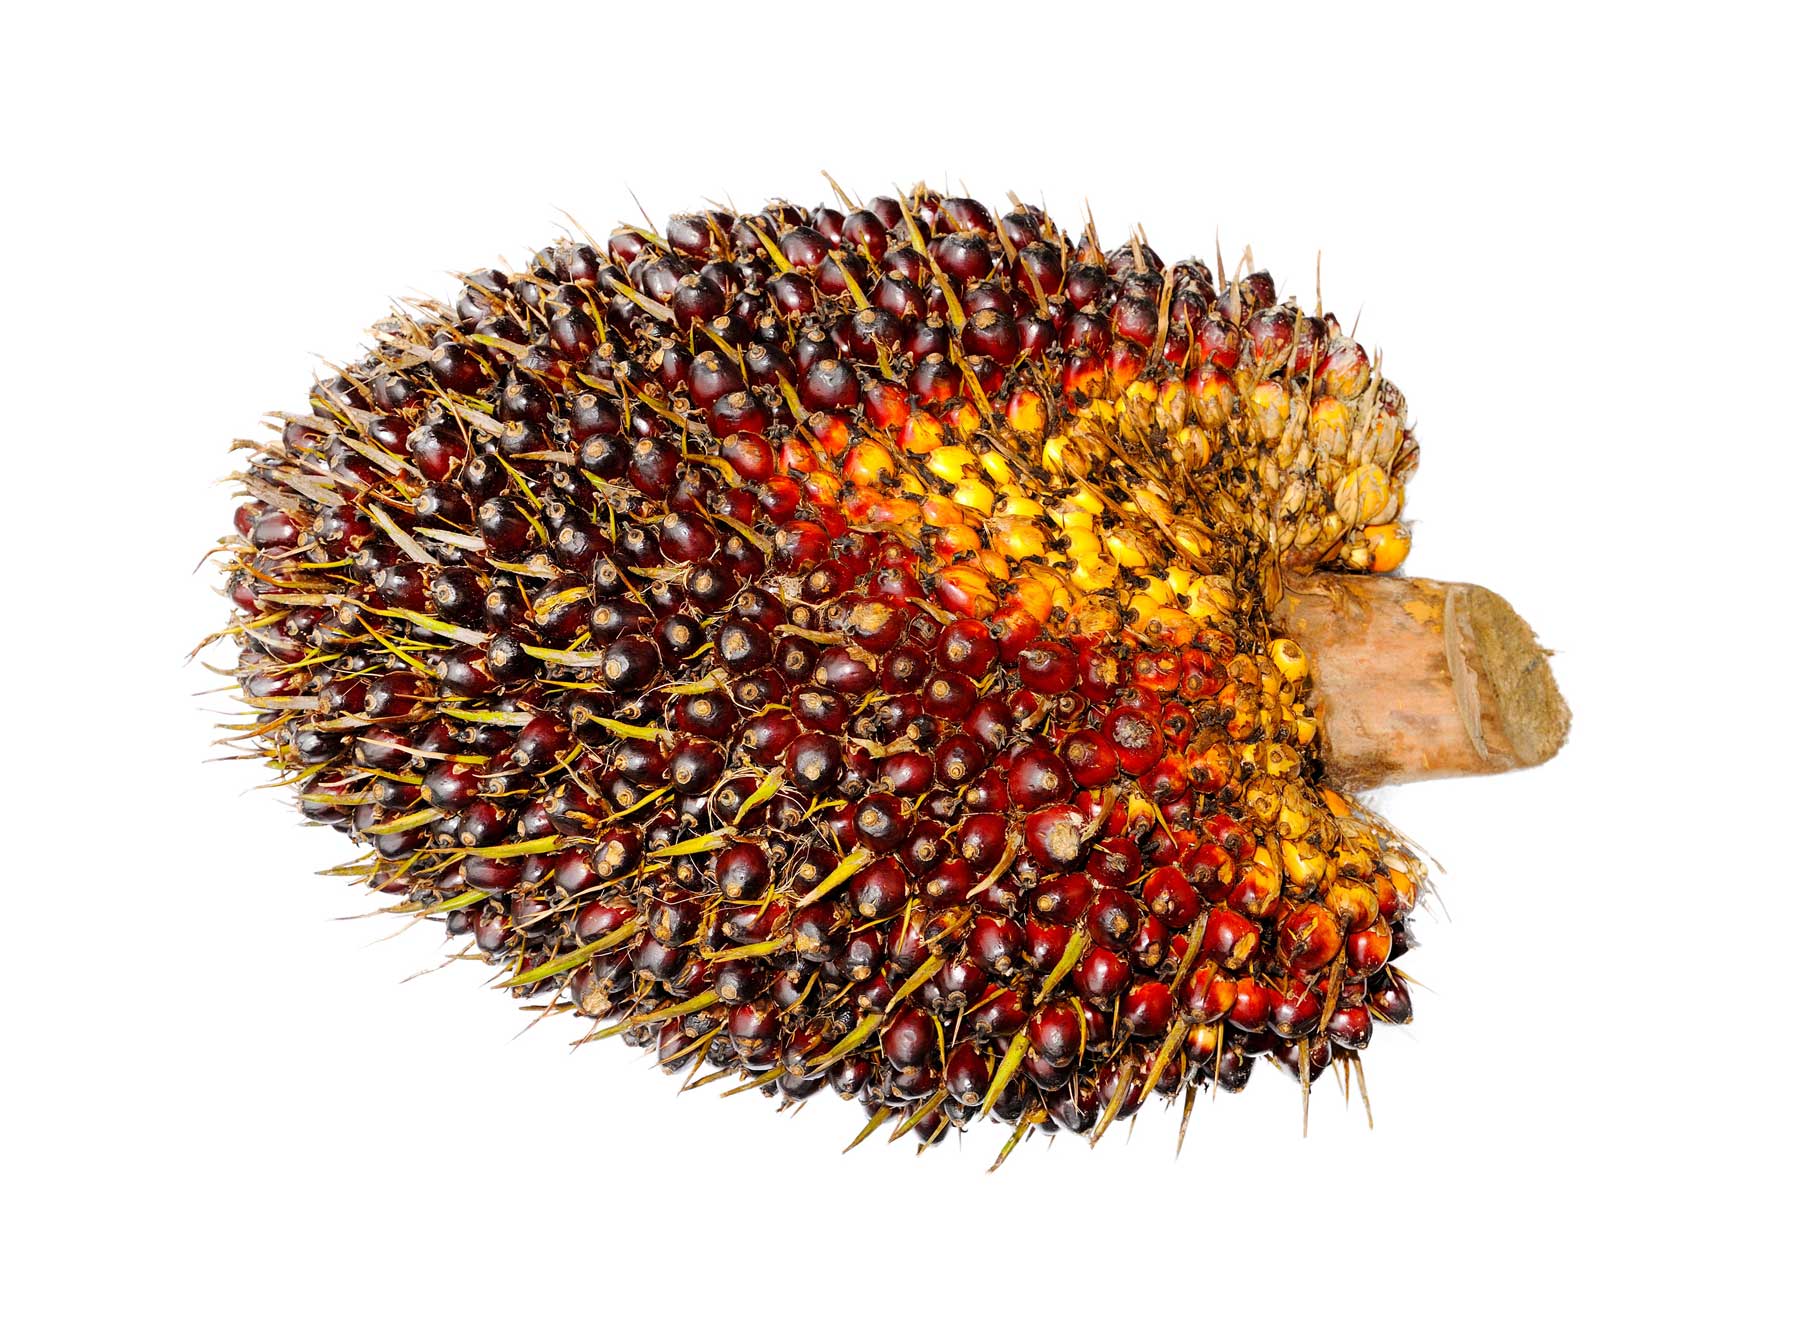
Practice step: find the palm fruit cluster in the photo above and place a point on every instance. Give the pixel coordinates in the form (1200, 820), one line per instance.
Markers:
(832, 649)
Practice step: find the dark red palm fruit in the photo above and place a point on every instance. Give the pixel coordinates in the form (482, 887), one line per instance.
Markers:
(862, 956)
(1101, 974)
(910, 1037)
(907, 773)
(993, 334)
(1148, 1009)
(1056, 837)
(851, 1076)
(1149, 945)
(995, 944)
(873, 624)
(743, 646)
(1055, 1032)
(927, 847)
(990, 722)
(1230, 939)
(959, 759)
(1036, 776)
(1114, 862)
(616, 853)
(820, 711)
(1389, 999)
(1044, 944)
(1114, 917)
(1350, 1027)
(903, 669)
(491, 873)
(949, 883)
(1231, 834)
(752, 1023)
(1367, 950)
(959, 982)
(1231, 1071)
(1090, 757)
(815, 928)
(879, 889)
(1252, 1005)
(815, 762)
(1297, 1010)
(1135, 319)
(1135, 737)
(540, 743)
(450, 786)
(1171, 897)
(863, 231)
(1310, 939)
(1211, 869)
(1063, 899)
(1049, 1077)
(643, 763)
(629, 663)
(829, 384)
(967, 646)
(841, 671)
(1208, 995)
(907, 946)
(1001, 1015)
(696, 765)
(685, 537)
(987, 793)
(949, 696)
(742, 871)
(981, 840)
(967, 1075)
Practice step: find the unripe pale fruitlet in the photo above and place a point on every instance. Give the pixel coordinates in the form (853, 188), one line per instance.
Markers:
(833, 647)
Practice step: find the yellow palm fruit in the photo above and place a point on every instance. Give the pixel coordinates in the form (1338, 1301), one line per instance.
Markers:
(1280, 760)
(1018, 537)
(1303, 863)
(1389, 543)
(1126, 550)
(1289, 659)
(1094, 575)
(922, 433)
(951, 463)
(973, 494)
(1329, 426)
(1035, 596)
(1170, 626)
(868, 463)
(996, 467)
(1194, 445)
(1361, 495)
(1083, 545)
(1268, 409)
(1014, 504)
(1026, 412)
(959, 539)
(936, 510)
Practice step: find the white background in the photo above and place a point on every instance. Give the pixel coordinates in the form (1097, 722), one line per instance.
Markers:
(1568, 231)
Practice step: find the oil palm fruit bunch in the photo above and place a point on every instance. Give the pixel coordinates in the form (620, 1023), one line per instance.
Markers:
(843, 649)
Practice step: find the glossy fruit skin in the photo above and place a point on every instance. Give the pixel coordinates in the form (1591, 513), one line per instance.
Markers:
(764, 636)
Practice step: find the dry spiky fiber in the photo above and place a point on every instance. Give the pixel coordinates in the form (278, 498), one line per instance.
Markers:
(835, 649)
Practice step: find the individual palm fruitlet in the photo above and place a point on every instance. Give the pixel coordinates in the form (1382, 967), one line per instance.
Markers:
(837, 649)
